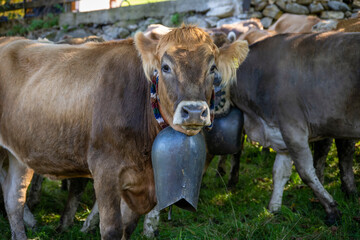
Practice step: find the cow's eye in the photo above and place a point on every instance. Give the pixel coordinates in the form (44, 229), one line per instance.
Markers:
(213, 69)
(165, 68)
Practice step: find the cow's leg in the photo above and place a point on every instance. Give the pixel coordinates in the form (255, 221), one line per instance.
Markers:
(109, 200)
(281, 174)
(16, 183)
(129, 220)
(301, 155)
(92, 221)
(76, 189)
(321, 150)
(29, 218)
(64, 184)
(346, 150)
(221, 169)
(234, 171)
(235, 166)
(3, 157)
(34, 191)
(151, 223)
(209, 158)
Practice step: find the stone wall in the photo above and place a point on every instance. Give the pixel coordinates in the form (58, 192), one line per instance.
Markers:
(212, 13)
(126, 21)
(271, 10)
(212, 10)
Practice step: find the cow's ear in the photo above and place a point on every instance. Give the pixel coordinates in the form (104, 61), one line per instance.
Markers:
(230, 57)
(147, 50)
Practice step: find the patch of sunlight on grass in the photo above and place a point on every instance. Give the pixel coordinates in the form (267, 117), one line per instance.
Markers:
(265, 214)
(317, 229)
(333, 152)
(357, 148)
(49, 218)
(221, 199)
(81, 216)
(295, 181)
(264, 183)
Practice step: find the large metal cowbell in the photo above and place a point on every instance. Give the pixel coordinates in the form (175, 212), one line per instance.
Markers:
(178, 162)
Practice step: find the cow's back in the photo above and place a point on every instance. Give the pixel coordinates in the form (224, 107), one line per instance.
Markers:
(311, 77)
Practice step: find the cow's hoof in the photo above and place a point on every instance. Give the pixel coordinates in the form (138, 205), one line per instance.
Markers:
(231, 185)
(61, 228)
(333, 218)
(352, 196)
(274, 208)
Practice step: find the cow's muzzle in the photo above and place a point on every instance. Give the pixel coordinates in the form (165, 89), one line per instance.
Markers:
(178, 161)
(192, 115)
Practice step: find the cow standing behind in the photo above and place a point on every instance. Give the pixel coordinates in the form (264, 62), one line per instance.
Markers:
(345, 147)
(65, 115)
(294, 89)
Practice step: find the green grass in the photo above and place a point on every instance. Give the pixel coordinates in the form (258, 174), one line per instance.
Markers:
(240, 214)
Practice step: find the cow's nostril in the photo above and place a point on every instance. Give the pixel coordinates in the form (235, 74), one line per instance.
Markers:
(185, 112)
(204, 113)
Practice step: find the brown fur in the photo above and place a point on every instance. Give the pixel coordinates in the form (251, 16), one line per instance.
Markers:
(292, 23)
(349, 25)
(219, 38)
(77, 41)
(255, 35)
(61, 92)
(239, 27)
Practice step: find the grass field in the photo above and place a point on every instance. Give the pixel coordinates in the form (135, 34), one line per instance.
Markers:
(240, 214)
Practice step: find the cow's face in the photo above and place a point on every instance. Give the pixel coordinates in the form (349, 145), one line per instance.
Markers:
(186, 60)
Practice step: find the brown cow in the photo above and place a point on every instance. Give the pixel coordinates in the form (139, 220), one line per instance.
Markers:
(349, 25)
(287, 23)
(292, 23)
(238, 28)
(84, 111)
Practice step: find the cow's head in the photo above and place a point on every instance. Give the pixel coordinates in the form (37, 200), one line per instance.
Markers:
(187, 59)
